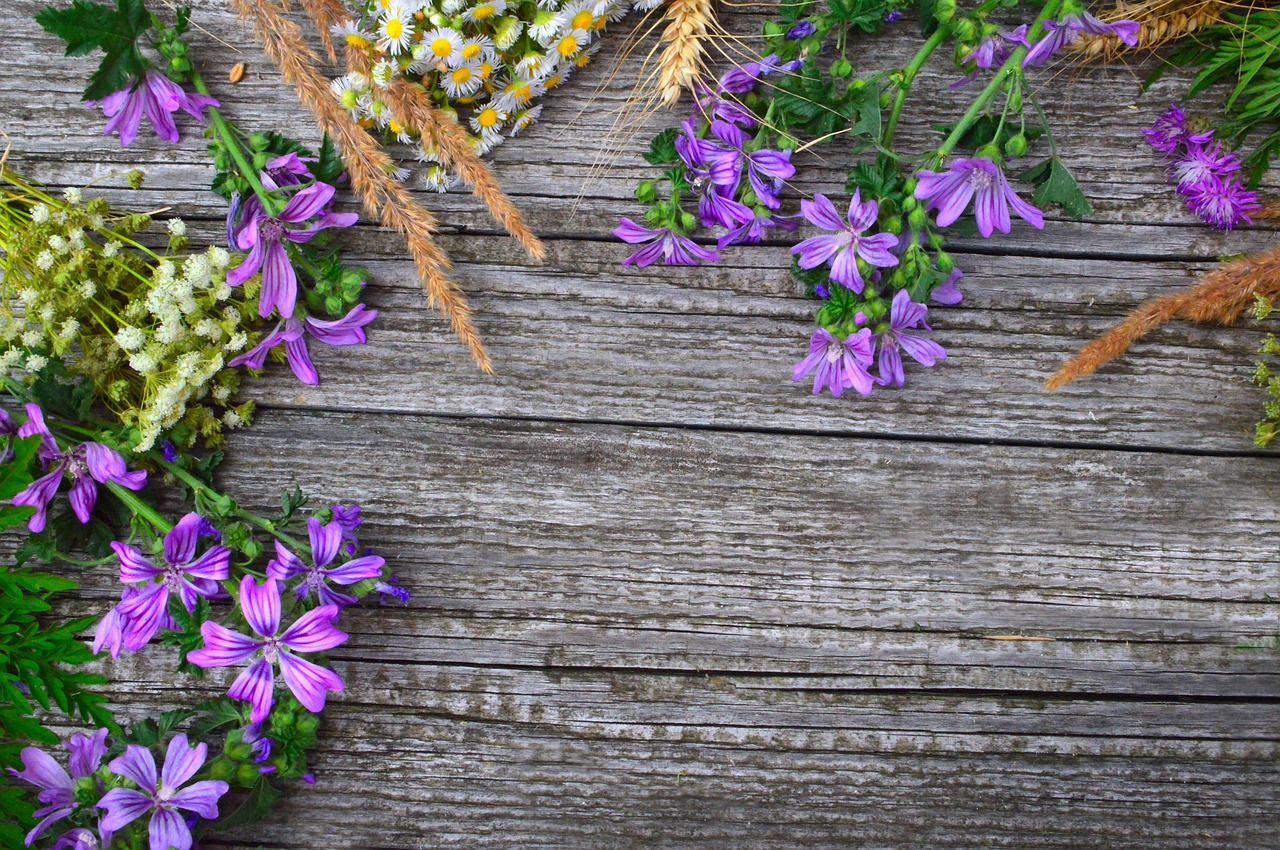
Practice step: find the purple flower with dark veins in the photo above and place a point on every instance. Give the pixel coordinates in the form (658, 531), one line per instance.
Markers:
(950, 191)
(713, 105)
(743, 79)
(1222, 201)
(158, 98)
(664, 243)
(163, 796)
(112, 627)
(57, 788)
(838, 364)
(312, 632)
(847, 244)
(1064, 32)
(905, 315)
(264, 236)
(326, 540)
(752, 231)
(181, 573)
(766, 169)
(391, 588)
(293, 332)
(804, 29)
(87, 465)
(348, 519)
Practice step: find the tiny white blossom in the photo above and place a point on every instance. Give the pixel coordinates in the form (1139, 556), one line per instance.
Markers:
(40, 214)
(220, 257)
(44, 260)
(238, 341)
(143, 363)
(177, 227)
(36, 362)
(32, 338)
(232, 419)
(221, 393)
(72, 194)
(111, 249)
(130, 338)
(88, 289)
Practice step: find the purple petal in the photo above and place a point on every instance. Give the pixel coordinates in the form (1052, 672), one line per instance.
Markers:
(124, 806)
(261, 605)
(345, 331)
(169, 831)
(87, 751)
(357, 569)
(138, 765)
(279, 283)
(83, 496)
(844, 270)
(905, 313)
(143, 614)
(285, 565)
(40, 769)
(821, 212)
(128, 115)
(295, 351)
(109, 633)
(307, 203)
(251, 264)
(134, 566)
(214, 565)
(890, 365)
(816, 250)
(38, 494)
(628, 231)
(222, 647)
(325, 540)
(314, 631)
(309, 682)
(201, 797)
(256, 357)
(181, 761)
(647, 255)
(926, 352)
(256, 685)
(53, 817)
(180, 542)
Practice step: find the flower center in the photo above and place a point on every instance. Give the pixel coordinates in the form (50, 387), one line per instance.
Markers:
(394, 28)
(846, 238)
(315, 580)
(164, 795)
(172, 577)
(271, 650)
(271, 230)
(835, 350)
(980, 179)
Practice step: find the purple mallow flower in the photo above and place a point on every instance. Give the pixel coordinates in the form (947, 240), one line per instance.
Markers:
(905, 315)
(87, 465)
(664, 243)
(981, 181)
(348, 519)
(391, 588)
(765, 169)
(326, 540)
(158, 98)
(1061, 33)
(743, 78)
(848, 243)
(162, 797)
(946, 292)
(57, 787)
(180, 573)
(293, 332)
(110, 634)
(804, 29)
(752, 231)
(838, 364)
(264, 236)
(312, 632)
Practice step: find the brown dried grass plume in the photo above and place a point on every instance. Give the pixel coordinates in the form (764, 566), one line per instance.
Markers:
(1220, 297)
(368, 167)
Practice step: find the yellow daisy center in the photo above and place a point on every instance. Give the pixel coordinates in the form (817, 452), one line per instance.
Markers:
(599, 23)
(482, 12)
(552, 81)
(471, 51)
(581, 21)
(487, 117)
(485, 70)
(357, 41)
(394, 127)
(461, 75)
(441, 47)
(394, 28)
(567, 46)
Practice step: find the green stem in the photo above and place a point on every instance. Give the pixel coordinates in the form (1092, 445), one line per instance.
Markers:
(1011, 66)
(908, 77)
(196, 484)
(232, 144)
(140, 507)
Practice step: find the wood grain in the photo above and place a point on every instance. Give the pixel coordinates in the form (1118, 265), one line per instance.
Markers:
(665, 598)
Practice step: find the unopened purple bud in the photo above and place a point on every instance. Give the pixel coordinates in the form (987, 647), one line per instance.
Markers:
(804, 29)
(170, 450)
(266, 768)
(821, 290)
(893, 16)
(859, 318)
(309, 778)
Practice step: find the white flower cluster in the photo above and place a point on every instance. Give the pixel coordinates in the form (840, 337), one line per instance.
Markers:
(489, 58)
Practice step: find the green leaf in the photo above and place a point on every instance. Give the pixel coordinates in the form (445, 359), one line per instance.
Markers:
(116, 32)
(1055, 185)
(15, 474)
(662, 150)
(255, 806)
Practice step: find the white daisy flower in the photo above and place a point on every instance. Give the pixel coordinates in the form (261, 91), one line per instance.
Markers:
(545, 26)
(646, 5)
(577, 15)
(584, 58)
(552, 5)
(524, 120)
(571, 43)
(400, 174)
(382, 73)
(462, 81)
(350, 33)
(484, 10)
(517, 93)
(557, 75)
(479, 48)
(436, 178)
(488, 120)
(444, 45)
(348, 90)
(395, 29)
(508, 32)
(612, 10)
(535, 64)
(453, 7)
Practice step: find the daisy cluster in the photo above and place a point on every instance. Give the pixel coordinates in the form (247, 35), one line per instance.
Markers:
(1206, 175)
(485, 62)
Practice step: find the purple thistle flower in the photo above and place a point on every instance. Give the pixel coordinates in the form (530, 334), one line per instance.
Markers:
(293, 332)
(904, 315)
(312, 632)
(162, 796)
(181, 573)
(1222, 201)
(766, 169)
(1170, 131)
(57, 788)
(838, 364)
(264, 237)
(950, 191)
(1202, 161)
(1064, 32)
(158, 98)
(804, 29)
(673, 248)
(87, 465)
(848, 243)
(752, 231)
(326, 540)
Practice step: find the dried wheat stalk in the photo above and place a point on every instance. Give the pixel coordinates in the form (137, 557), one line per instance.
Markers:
(1162, 22)
(689, 23)
(368, 167)
(1220, 297)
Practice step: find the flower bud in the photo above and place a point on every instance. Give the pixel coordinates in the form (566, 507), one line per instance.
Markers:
(180, 64)
(247, 774)
(773, 28)
(910, 187)
(1016, 145)
(239, 751)
(646, 192)
(688, 220)
(885, 100)
(223, 769)
(989, 151)
(944, 10)
(893, 224)
(841, 68)
(259, 141)
(909, 203)
(1015, 100)
(965, 29)
(307, 723)
(917, 218)
(945, 263)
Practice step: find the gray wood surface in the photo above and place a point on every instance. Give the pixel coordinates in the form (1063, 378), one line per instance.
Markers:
(666, 598)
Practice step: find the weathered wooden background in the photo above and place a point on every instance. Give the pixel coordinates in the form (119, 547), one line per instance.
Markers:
(663, 597)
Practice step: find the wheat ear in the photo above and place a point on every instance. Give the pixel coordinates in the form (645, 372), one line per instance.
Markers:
(1220, 297)
(1161, 22)
(682, 62)
(410, 104)
(368, 167)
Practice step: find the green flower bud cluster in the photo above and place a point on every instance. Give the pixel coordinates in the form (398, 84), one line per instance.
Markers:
(152, 331)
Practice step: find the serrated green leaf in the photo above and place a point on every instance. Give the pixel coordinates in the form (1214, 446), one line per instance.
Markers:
(1055, 185)
(116, 32)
